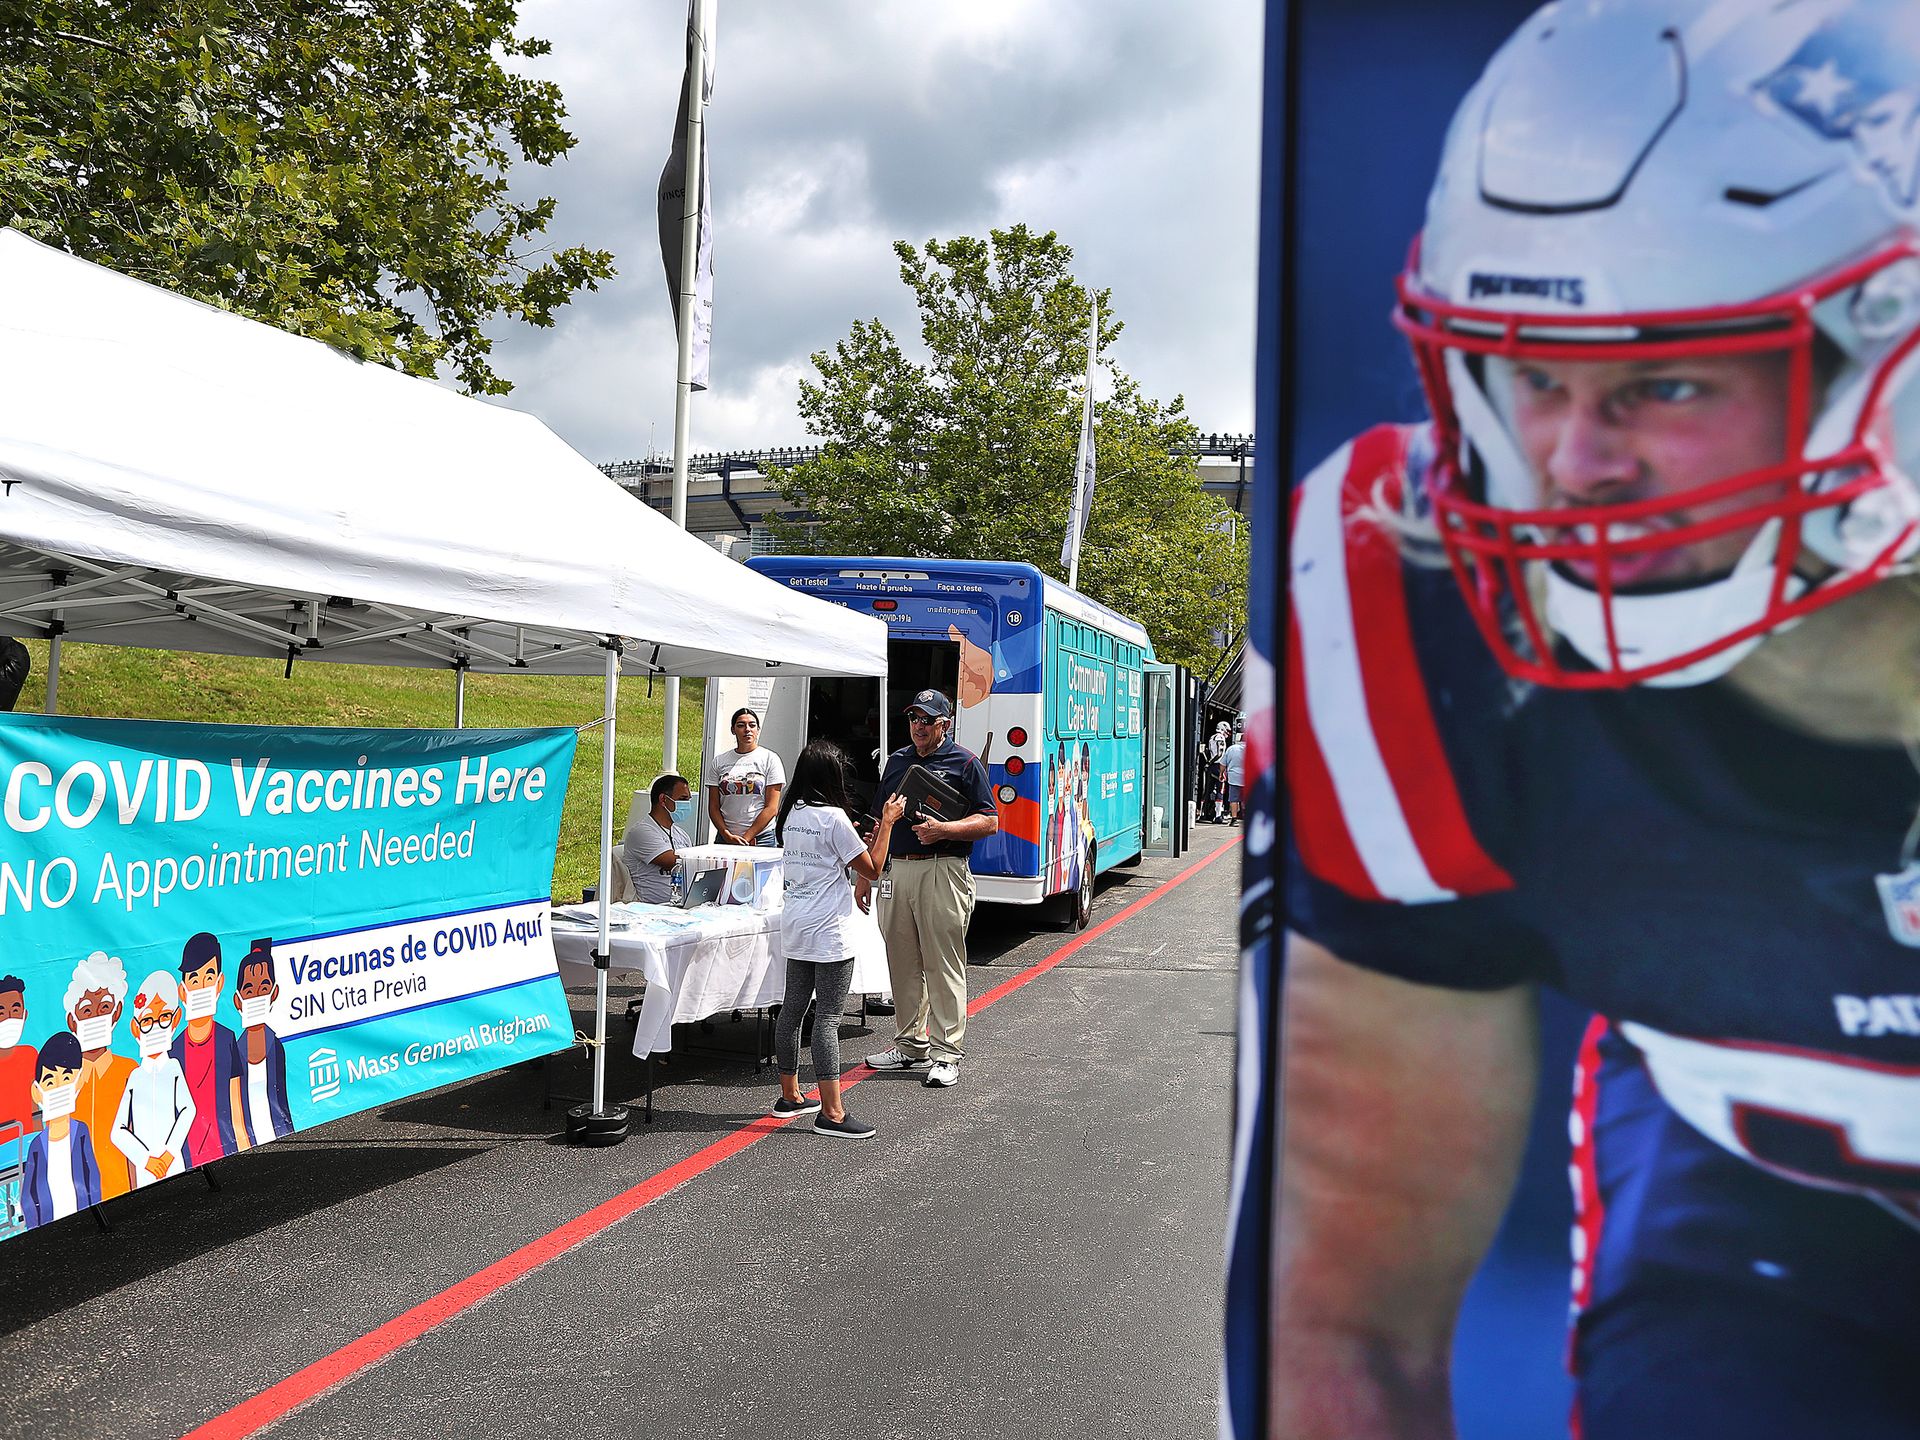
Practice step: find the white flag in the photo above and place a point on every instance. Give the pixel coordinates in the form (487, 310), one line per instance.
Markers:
(1083, 465)
(673, 197)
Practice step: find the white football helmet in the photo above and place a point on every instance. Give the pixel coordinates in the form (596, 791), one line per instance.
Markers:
(1647, 180)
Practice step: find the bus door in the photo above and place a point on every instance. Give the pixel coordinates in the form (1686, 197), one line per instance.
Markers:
(916, 665)
(847, 711)
(850, 712)
(1164, 748)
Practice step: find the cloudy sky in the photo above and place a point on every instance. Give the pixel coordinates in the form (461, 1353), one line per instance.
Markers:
(839, 126)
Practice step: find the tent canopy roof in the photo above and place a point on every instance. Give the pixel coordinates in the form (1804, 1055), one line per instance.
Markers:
(178, 477)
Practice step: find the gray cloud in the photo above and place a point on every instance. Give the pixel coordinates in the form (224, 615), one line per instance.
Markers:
(1129, 127)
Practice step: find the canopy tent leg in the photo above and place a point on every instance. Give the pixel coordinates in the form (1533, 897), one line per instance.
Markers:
(53, 675)
(459, 696)
(597, 1124)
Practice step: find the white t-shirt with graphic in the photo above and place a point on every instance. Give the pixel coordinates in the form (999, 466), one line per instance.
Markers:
(742, 781)
(817, 899)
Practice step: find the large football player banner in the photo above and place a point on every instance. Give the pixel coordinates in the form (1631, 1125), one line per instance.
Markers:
(1585, 709)
(219, 934)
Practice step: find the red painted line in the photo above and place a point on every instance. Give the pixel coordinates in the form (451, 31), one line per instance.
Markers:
(1007, 987)
(306, 1385)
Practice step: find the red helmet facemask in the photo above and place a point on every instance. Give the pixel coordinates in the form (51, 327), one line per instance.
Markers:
(1492, 547)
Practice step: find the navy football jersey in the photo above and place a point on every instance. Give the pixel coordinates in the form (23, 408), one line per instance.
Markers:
(1748, 1104)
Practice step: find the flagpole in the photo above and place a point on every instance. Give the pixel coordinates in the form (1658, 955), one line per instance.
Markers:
(1083, 461)
(685, 315)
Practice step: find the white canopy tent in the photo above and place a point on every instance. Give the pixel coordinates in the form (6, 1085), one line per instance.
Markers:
(177, 477)
(181, 478)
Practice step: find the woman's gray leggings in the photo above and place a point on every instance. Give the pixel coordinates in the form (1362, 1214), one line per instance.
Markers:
(827, 986)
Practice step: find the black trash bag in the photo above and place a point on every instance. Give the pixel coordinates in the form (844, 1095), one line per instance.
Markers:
(15, 662)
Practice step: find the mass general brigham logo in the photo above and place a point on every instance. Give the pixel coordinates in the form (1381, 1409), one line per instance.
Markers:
(323, 1074)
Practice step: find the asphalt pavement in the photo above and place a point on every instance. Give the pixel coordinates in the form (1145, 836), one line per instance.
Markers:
(1035, 1252)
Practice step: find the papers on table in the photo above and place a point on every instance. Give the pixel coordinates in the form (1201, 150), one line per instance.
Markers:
(619, 917)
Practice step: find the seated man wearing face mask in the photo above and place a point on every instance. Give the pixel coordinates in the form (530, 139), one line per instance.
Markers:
(157, 1111)
(653, 841)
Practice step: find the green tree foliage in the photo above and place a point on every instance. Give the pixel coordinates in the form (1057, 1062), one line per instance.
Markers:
(970, 454)
(337, 168)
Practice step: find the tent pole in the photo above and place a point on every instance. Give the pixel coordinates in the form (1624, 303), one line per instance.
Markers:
(599, 1125)
(459, 697)
(602, 960)
(53, 675)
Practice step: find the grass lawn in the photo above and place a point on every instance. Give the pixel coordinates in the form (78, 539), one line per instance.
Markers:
(122, 683)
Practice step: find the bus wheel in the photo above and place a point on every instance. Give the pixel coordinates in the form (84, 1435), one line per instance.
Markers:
(1080, 902)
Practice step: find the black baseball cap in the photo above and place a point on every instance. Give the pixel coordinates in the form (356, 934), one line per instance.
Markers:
(932, 704)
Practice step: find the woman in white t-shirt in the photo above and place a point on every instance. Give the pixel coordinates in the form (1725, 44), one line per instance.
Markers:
(743, 786)
(818, 847)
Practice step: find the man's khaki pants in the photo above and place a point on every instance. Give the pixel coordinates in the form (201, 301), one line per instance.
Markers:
(925, 925)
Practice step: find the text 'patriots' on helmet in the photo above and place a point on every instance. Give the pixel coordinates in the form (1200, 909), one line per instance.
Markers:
(1666, 309)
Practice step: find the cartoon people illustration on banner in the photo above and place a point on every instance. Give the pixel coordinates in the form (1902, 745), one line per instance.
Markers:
(17, 1061)
(158, 1110)
(209, 1056)
(263, 1096)
(95, 998)
(61, 1176)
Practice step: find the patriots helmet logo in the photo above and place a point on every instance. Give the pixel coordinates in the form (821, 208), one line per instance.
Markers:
(1900, 900)
(1852, 80)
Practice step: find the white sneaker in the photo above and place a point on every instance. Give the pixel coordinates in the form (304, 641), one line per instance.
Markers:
(942, 1073)
(895, 1059)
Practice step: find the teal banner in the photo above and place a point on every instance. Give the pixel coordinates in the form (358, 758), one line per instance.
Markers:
(219, 934)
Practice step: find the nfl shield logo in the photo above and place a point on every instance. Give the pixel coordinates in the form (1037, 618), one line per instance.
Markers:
(1900, 898)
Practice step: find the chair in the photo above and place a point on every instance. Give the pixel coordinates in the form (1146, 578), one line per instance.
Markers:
(621, 888)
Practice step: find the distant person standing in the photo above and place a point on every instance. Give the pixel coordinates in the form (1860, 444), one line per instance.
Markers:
(1217, 744)
(15, 663)
(653, 842)
(926, 898)
(1234, 764)
(743, 786)
(821, 852)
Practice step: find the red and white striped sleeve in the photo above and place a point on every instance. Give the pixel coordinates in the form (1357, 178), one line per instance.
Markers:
(1375, 808)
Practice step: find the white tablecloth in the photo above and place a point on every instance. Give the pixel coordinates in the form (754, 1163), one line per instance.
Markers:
(703, 961)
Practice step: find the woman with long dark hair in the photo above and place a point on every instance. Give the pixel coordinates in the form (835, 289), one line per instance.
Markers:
(819, 845)
(744, 785)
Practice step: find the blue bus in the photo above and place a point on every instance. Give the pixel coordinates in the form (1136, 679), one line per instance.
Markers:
(1080, 728)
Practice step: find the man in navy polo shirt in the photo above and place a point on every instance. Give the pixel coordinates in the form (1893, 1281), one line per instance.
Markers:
(926, 898)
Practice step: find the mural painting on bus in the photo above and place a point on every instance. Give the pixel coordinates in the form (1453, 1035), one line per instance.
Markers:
(997, 695)
(1095, 711)
(1070, 828)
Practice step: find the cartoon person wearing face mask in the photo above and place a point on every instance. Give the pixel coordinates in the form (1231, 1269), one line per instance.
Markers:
(61, 1176)
(95, 998)
(263, 1095)
(17, 1065)
(209, 1056)
(16, 1058)
(157, 1110)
